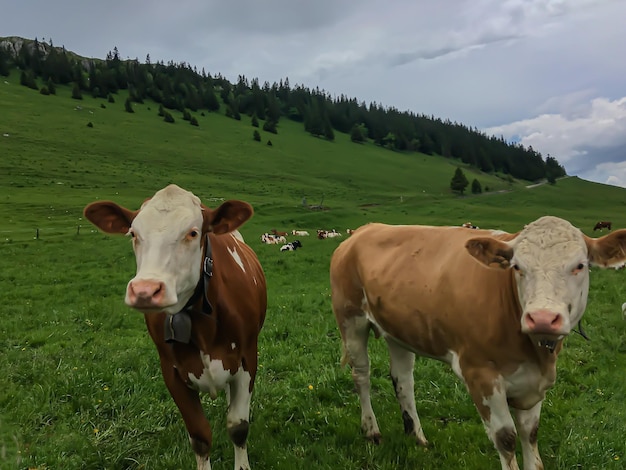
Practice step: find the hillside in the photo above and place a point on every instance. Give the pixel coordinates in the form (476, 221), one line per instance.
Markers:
(179, 87)
(53, 162)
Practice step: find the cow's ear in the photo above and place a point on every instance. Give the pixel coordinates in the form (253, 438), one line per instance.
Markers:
(491, 252)
(227, 217)
(109, 216)
(608, 251)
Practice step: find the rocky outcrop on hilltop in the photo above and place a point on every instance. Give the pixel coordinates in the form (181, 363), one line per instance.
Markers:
(14, 44)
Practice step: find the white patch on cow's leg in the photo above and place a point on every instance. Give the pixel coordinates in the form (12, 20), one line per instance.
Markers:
(500, 426)
(238, 418)
(355, 344)
(402, 364)
(528, 424)
(203, 462)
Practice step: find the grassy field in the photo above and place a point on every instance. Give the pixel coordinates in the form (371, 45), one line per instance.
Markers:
(81, 387)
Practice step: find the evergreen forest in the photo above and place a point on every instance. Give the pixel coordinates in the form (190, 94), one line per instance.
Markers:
(179, 86)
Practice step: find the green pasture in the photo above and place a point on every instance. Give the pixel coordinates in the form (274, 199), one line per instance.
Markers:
(81, 387)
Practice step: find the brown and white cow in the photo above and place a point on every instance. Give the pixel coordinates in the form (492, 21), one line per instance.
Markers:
(602, 225)
(203, 295)
(278, 233)
(470, 225)
(494, 306)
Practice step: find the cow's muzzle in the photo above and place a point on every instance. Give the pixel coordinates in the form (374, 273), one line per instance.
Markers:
(544, 322)
(546, 328)
(146, 294)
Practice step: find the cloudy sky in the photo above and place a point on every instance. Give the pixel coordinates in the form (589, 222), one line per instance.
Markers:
(547, 73)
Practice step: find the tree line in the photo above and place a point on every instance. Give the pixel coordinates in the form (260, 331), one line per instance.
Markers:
(179, 86)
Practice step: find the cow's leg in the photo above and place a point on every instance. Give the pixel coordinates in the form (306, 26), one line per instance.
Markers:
(238, 395)
(198, 427)
(488, 393)
(355, 333)
(528, 424)
(402, 364)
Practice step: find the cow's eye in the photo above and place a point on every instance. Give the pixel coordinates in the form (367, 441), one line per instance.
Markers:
(578, 268)
(193, 234)
(516, 267)
(132, 234)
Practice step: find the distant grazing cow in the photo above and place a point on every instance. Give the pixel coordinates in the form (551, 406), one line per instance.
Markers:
(291, 246)
(349, 231)
(278, 233)
(321, 234)
(470, 225)
(203, 295)
(270, 239)
(602, 225)
(496, 308)
(300, 233)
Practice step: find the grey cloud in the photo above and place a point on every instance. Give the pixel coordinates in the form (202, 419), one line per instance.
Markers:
(485, 63)
(593, 157)
(571, 106)
(275, 17)
(403, 58)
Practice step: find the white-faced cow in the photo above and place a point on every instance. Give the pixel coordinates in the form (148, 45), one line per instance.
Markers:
(203, 295)
(494, 306)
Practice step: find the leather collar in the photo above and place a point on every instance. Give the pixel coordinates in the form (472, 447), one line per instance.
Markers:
(178, 325)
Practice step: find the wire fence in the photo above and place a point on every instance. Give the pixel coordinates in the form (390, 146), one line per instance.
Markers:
(46, 233)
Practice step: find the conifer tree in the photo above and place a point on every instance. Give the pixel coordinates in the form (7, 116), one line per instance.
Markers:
(5, 69)
(358, 133)
(476, 187)
(76, 93)
(459, 181)
(128, 106)
(328, 130)
(27, 79)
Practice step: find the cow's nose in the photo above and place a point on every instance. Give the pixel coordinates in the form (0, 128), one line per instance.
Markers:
(544, 321)
(145, 293)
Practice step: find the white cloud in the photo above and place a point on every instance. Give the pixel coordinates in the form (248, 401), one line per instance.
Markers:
(613, 173)
(579, 140)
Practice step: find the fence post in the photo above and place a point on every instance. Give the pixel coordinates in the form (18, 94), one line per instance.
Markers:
(37, 234)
